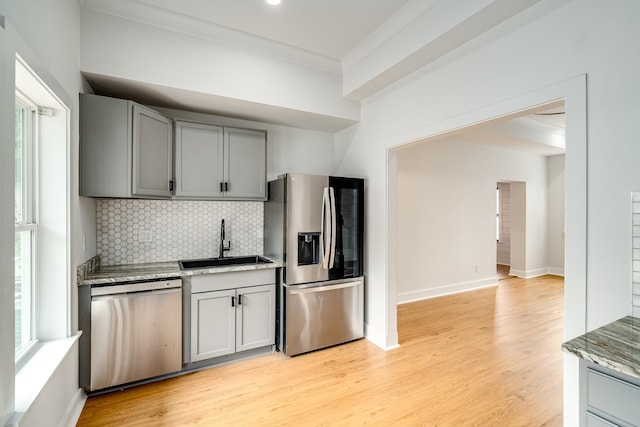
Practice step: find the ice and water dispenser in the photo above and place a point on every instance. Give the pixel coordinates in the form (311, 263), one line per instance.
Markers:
(308, 248)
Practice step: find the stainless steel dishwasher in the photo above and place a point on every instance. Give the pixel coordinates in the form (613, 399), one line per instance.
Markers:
(136, 331)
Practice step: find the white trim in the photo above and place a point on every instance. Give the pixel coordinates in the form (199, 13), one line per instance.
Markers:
(528, 274)
(37, 372)
(455, 288)
(74, 409)
(555, 271)
(156, 16)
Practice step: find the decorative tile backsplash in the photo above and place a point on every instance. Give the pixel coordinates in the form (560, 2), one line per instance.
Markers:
(131, 231)
(636, 254)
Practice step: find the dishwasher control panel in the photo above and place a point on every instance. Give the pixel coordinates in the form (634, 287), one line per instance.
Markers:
(123, 288)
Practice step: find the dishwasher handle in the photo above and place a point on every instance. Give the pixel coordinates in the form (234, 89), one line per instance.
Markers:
(107, 297)
(131, 287)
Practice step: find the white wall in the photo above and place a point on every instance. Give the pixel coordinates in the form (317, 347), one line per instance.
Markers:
(537, 52)
(556, 195)
(46, 34)
(447, 215)
(173, 59)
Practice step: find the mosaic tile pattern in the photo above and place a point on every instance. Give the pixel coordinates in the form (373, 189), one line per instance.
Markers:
(176, 229)
(636, 254)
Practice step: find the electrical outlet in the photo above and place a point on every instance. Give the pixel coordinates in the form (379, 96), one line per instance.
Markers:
(145, 236)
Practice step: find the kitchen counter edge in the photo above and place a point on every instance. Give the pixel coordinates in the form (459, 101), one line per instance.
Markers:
(90, 273)
(615, 346)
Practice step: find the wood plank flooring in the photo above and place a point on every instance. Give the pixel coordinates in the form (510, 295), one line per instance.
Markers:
(484, 358)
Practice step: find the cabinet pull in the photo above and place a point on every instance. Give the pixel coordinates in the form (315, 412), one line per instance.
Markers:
(226, 186)
(233, 301)
(240, 299)
(171, 185)
(221, 187)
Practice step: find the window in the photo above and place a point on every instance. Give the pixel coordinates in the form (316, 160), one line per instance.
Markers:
(25, 224)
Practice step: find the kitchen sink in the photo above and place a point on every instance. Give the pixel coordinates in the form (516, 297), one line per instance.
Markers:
(222, 262)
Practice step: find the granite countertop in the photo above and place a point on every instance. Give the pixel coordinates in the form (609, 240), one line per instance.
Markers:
(99, 275)
(615, 346)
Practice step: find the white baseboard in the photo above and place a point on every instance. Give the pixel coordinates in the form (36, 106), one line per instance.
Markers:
(74, 409)
(446, 290)
(529, 274)
(385, 343)
(556, 271)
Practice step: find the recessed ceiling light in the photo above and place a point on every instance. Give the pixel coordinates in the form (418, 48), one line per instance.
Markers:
(273, 2)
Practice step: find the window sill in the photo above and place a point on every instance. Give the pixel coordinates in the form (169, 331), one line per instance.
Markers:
(37, 371)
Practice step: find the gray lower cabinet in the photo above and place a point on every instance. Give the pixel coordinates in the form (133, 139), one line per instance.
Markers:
(219, 163)
(609, 398)
(226, 321)
(126, 149)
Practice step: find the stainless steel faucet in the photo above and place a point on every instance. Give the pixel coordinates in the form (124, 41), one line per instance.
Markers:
(222, 248)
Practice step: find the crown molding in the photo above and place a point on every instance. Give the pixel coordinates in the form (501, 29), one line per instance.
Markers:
(387, 31)
(145, 13)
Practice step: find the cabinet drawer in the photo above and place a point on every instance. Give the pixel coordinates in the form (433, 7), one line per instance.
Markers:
(230, 280)
(613, 397)
(595, 421)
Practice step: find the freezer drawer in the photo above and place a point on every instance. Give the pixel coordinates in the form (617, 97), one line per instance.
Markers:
(323, 314)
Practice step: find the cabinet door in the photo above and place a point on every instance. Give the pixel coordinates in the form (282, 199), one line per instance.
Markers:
(105, 146)
(199, 160)
(245, 154)
(152, 153)
(213, 317)
(255, 317)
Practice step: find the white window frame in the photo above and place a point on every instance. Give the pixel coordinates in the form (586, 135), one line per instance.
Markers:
(29, 220)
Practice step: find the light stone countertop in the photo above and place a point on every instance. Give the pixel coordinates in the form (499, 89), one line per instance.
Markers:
(615, 346)
(160, 270)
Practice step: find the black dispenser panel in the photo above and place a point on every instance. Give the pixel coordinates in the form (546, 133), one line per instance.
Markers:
(308, 248)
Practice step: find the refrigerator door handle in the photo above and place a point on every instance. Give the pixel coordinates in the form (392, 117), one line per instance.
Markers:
(332, 253)
(325, 245)
(325, 288)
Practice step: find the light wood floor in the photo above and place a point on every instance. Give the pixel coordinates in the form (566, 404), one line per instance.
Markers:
(486, 358)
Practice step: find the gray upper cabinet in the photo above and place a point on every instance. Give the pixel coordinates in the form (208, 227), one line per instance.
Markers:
(126, 149)
(199, 160)
(246, 154)
(219, 163)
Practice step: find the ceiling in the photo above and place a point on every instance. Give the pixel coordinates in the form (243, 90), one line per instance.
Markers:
(331, 29)
(539, 131)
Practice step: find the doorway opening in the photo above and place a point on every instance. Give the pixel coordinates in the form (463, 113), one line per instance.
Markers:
(572, 92)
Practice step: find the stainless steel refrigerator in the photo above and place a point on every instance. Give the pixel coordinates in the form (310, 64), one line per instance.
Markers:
(315, 225)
